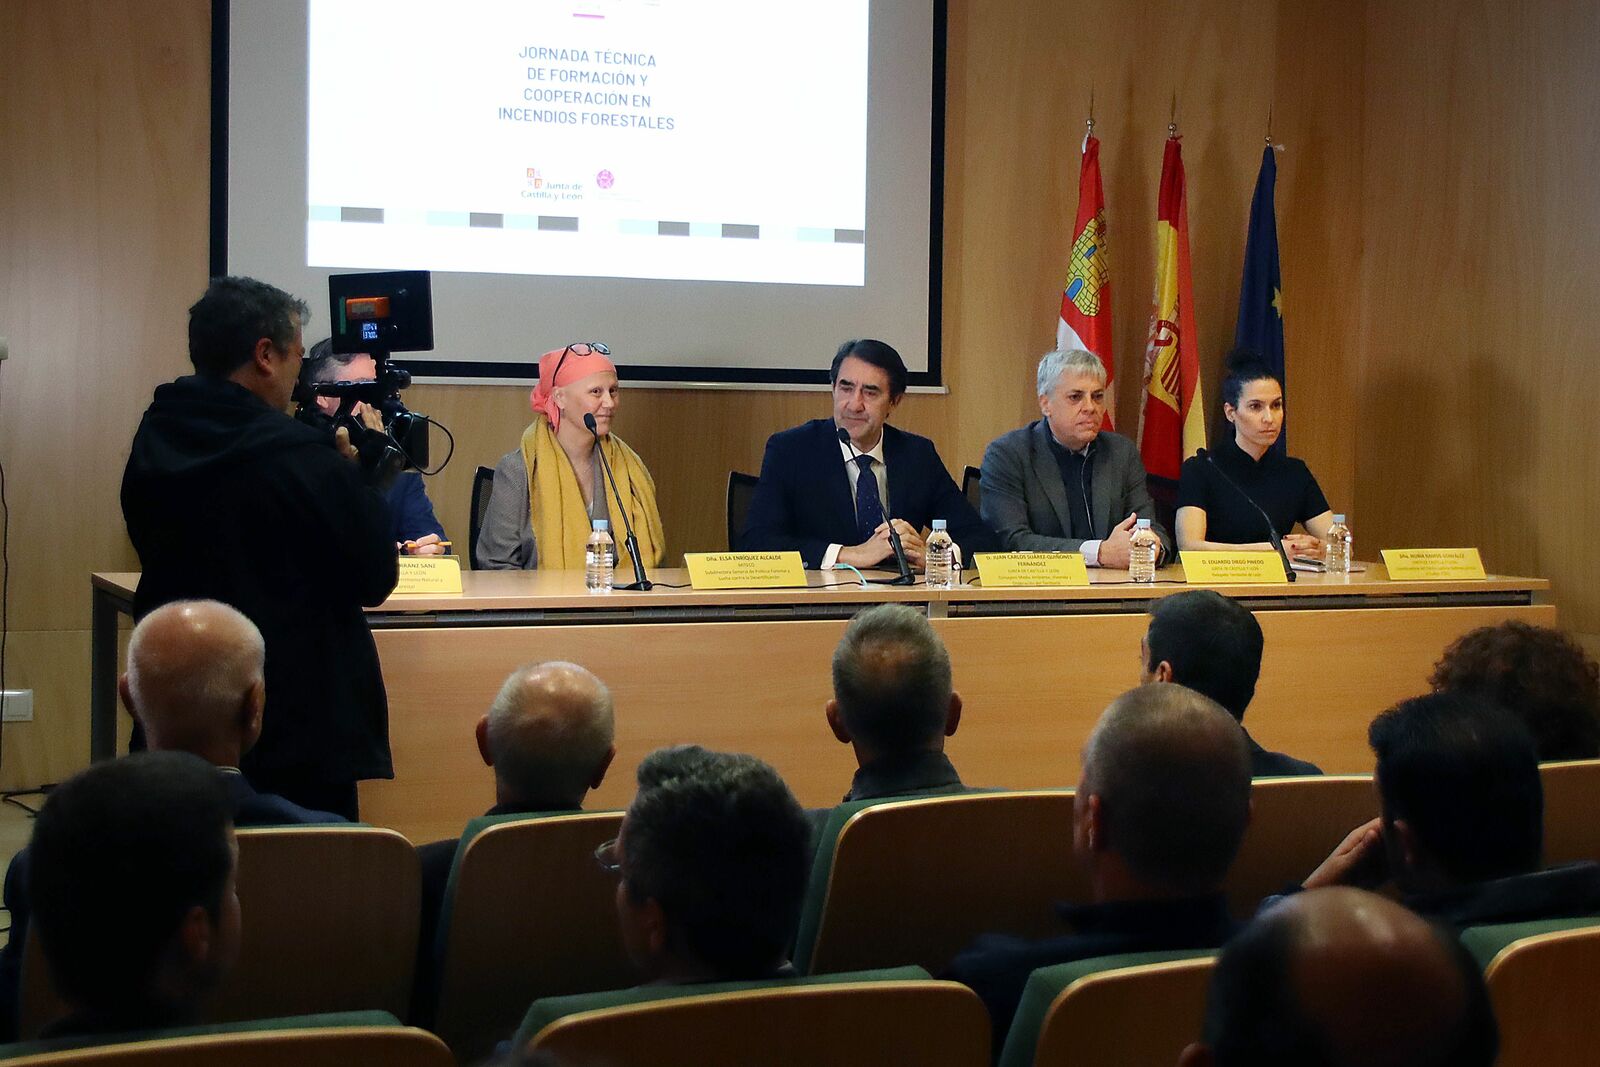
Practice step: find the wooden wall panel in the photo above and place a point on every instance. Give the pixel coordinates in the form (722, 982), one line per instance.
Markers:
(1480, 215)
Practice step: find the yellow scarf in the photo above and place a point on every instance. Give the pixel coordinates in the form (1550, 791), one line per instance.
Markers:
(559, 520)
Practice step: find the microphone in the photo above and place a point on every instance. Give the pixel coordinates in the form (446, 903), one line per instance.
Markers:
(906, 577)
(1272, 532)
(631, 542)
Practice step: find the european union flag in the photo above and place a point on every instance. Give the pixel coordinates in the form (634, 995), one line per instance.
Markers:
(1260, 324)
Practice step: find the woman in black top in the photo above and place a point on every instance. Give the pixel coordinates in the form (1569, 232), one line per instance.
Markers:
(1213, 514)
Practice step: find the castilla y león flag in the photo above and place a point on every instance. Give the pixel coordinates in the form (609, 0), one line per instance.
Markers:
(1086, 298)
(1172, 422)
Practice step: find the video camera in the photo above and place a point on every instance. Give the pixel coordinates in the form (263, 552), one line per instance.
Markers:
(377, 314)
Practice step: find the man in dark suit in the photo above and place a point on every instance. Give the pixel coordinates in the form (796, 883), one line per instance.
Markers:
(1062, 483)
(1201, 639)
(813, 497)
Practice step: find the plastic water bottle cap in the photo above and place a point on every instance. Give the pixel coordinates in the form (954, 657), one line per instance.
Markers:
(1339, 519)
(1141, 524)
(939, 524)
(602, 524)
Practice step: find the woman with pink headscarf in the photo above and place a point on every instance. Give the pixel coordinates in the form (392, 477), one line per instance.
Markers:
(548, 491)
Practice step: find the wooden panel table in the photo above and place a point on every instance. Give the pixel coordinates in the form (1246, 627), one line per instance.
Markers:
(749, 670)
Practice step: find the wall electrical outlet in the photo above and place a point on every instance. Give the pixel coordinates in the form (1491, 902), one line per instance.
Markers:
(19, 705)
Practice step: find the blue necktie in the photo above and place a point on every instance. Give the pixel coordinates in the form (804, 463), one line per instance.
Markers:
(869, 505)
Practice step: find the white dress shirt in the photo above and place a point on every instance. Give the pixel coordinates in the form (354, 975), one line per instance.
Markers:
(852, 470)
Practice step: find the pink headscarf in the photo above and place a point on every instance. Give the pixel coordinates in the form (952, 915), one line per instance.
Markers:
(575, 367)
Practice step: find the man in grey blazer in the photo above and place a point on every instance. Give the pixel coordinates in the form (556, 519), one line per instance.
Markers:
(1061, 483)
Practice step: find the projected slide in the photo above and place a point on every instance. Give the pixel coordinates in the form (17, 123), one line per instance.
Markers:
(709, 140)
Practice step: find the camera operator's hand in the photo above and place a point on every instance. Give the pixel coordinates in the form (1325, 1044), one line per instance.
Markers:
(341, 441)
(370, 417)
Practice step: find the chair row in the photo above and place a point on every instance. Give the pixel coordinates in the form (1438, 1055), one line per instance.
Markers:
(332, 912)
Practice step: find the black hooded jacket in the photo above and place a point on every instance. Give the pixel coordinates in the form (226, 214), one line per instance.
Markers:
(228, 499)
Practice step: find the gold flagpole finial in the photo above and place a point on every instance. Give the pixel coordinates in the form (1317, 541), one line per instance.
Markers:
(1269, 125)
(1172, 122)
(1089, 123)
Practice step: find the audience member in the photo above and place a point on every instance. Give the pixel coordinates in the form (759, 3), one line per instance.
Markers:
(1461, 832)
(894, 705)
(548, 737)
(713, 856)
(1538, 674)
(196, 684)
(1201, 639)
(1160, 811)
(1343, 978)
(134, 893)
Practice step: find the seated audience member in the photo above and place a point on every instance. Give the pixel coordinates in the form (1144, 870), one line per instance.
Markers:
(417, 531)
(713, 857)
(548, 491)
(1538, 674)
(1342, 978)
(1201, 639)
(195, 683)
(894, 705)
(548, 738)
(136, 905)
(1462, 826)
(1062, 483)
(1160, 811)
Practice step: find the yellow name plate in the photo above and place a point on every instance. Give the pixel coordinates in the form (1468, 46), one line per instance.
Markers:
(1232, 568)
(999, 570)
(1422, 564)
(429, 574)
(745, 570)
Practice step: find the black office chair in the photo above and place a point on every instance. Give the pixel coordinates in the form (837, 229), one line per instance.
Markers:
(741, 488)
(482, 483)
(971, 488)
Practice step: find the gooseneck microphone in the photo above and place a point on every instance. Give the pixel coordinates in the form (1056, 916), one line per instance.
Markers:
(905, 577)
(631, 542)
(1272, 531)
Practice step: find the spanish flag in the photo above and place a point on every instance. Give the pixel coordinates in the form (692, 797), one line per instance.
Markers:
(1172, 423)
(1086, 298)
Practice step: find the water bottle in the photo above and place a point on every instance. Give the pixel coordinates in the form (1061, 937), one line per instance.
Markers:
(1142, 549)
(937, 557)
(1340, 551)
(597, 558)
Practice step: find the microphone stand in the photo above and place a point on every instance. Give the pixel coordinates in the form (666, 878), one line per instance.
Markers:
(905, 576)
(631, 542)
(1272, 531)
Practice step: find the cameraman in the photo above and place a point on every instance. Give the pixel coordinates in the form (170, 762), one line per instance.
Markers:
(415, 528)
(228, 498)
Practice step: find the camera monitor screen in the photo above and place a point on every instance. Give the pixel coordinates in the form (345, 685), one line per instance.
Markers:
(385, 311)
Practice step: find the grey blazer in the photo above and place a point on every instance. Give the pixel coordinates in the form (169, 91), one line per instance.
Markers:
(1026, 504)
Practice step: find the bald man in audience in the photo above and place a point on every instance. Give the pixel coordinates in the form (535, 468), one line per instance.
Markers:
(549, 738)
(195, 683)
(1344, 978)
(1160, 810)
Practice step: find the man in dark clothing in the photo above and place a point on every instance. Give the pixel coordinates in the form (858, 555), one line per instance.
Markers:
(1462, 826)
(1201, 639)
(228, 498)
(894, 704)
(1158, 817)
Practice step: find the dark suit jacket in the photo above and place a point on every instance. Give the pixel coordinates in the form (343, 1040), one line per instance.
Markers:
(1026, 504)
(803, 498)
(1268, 764)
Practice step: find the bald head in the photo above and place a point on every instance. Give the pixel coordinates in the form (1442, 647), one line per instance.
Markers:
(195, 679)
(1169, 773)
(549, 735)
(1336, 977)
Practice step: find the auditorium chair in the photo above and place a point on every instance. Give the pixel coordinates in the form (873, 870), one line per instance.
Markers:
(1134, 1010)
(350, 1039)
(1544, 982)
(1571, 799)
(913, 881)
(482, 484)
(801, 1023)
(330, 917)
(1294, 824)
(972, 487)
(741, 489)
(527, 913)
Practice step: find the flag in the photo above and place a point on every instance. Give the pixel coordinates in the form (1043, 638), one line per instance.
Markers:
(1086, 298)
(1260, 324)
(1172, 422)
